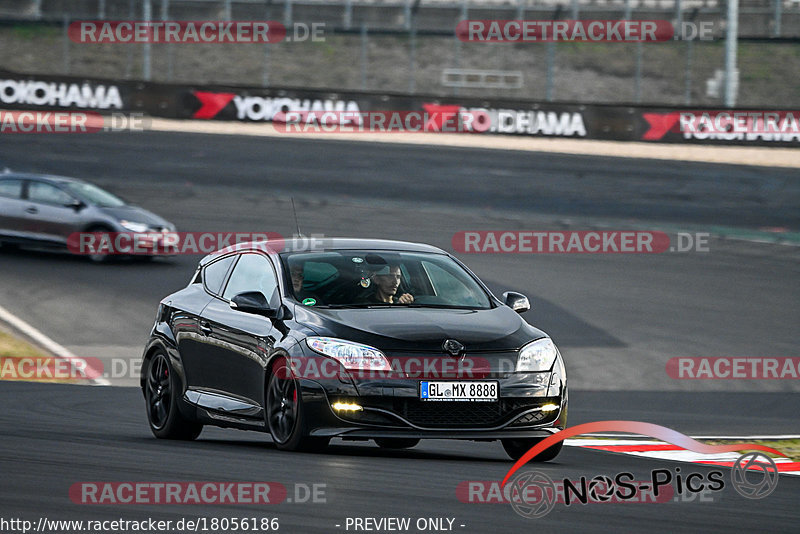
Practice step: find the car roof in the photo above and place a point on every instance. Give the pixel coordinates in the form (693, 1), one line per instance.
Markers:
(313, 244)
(51, 178)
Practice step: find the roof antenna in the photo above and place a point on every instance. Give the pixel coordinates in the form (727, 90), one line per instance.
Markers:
(297, 224)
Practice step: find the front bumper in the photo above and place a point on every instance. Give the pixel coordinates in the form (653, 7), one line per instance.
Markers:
(397, 412)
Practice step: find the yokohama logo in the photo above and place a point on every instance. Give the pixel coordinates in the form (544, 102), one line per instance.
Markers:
(258, 108)
(39, 93)
(518, 121)
(780, 126)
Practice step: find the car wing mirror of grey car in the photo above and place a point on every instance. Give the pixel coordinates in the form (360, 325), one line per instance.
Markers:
(256, 303)
(516, 301)
(75, 204)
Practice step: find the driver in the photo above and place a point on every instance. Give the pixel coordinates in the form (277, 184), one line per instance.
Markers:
(296, 271)
(387, 283)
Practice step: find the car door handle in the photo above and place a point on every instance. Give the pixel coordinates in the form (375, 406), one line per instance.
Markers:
(32, 210)
(205, 328)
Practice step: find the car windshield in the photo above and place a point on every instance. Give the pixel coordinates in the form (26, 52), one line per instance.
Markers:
(365, 279)
(95, 195)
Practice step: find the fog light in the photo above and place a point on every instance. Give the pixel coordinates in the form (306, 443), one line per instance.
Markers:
(549, 407)
(346, 407)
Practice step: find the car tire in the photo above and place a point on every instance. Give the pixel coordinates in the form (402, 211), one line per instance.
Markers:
(162, 390)
(516, 448)
(396, 443)
(285, 413)
(98, 258)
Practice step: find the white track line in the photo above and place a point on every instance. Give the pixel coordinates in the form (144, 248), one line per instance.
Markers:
(634, 436)
(681, 455)
(57, 350)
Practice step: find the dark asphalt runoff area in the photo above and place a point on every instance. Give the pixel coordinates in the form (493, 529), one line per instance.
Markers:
(617, 318)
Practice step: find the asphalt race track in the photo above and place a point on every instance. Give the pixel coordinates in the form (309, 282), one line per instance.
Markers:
(617, 318)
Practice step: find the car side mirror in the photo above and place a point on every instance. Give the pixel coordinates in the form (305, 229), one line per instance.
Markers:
(75, 204)
(516, 301)
(253, 302)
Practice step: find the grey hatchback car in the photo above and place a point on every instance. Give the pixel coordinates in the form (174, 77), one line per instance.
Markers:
(44, 210)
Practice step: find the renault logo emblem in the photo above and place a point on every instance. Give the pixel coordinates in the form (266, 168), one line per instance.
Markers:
(453, 347)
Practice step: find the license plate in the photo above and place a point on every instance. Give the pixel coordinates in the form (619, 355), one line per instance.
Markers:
(458, 391)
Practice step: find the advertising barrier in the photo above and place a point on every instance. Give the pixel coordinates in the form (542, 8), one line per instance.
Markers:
(299, 110)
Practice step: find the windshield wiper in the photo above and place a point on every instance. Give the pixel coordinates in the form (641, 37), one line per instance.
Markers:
(357, 306)
(368, 305)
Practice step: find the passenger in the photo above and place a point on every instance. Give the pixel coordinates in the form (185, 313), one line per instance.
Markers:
(387, 283)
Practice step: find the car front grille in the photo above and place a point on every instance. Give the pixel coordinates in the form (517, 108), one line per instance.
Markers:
(454, 414)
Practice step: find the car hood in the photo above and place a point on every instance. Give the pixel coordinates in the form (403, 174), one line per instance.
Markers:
(422, 329)
(135, 214)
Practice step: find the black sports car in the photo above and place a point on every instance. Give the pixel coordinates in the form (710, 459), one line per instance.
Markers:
(354, 339)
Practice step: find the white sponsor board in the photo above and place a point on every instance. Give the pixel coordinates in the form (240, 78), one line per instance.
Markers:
(65, 95)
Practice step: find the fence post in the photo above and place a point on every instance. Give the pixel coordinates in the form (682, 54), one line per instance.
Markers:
(687, 96)
(575, 10)
(66, 46)
(265, 74)
(776, 30)
(170, 49)
(458, 44)
(287, 14)
(412, 45)
(638, 80)
(731, 36)
(679, 17)
(363, 56)
(551, 60)
(412, 56)
(146, 48)
(348, 14)
(129, 63)
(101, 9)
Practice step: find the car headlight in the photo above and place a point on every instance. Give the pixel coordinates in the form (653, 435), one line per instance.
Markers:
(350, 355)
(134, 226)
(537, 356)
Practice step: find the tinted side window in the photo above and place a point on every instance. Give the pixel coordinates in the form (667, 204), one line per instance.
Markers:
(254, 272)
(47, 194)
(214, 274)
(11, 188)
